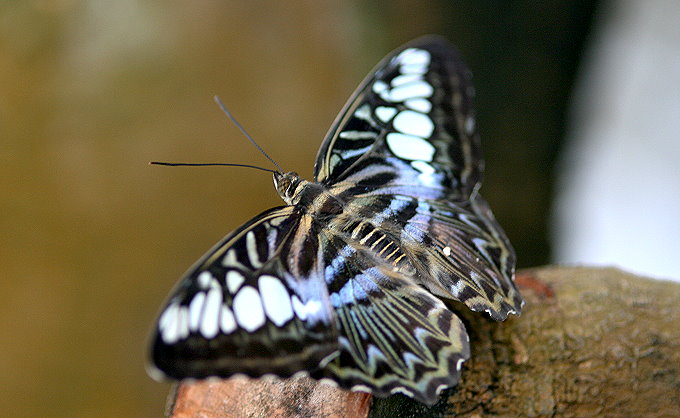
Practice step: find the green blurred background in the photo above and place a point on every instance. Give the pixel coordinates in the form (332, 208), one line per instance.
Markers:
(92, 238)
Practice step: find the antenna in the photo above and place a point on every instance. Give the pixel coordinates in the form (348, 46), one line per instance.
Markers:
(210, 164)
(252, 141)
(247, 135)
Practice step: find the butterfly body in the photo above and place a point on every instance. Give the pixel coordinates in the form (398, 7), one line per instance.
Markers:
(349, 280)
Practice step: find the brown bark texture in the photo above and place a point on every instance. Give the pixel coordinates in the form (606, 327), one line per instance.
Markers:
(589, 342)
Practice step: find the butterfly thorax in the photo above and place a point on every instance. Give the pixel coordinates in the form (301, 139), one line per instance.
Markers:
(309, 196)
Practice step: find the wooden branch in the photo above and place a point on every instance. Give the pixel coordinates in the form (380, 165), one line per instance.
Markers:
(589, 342)
(268, 397)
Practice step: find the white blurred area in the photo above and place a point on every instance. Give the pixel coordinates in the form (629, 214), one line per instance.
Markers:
(618, 189)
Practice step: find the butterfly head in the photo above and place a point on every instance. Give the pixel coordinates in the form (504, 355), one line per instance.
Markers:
(287, 185)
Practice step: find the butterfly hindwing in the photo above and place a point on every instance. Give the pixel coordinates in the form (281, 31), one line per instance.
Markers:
(240, 309)
(457, 248)
(395, 337)
(468, 256)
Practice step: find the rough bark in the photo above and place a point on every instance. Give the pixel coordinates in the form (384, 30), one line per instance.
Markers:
(268, 397)
(589, 342)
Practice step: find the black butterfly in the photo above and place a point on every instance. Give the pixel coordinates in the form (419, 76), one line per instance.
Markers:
(348, 280)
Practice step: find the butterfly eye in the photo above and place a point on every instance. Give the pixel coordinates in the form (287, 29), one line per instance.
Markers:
(282, 183)
(286, 185)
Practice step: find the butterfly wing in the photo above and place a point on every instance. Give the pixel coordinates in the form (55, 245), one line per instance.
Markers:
(395, 337)
(410, 123)
(457, 248)
(406, 152)
(468, 256)
(245, 307)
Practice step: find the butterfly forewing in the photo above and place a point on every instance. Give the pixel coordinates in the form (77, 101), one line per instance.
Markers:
(350, 280)
(241, 310)
(413, 114)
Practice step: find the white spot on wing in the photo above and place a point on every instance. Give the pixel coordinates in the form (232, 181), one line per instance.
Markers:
(419, 69)
(304, 310)
(227, 321)
(183, 322)
(276, 221)
(251, 246)
(357, 151)
(421, 105)
(363, 113)
(427, 177)
(234, 280)
(352, 135)
(379, 86)
(361, 388)
(469, 125)
(414, 123)
(425, 168)
(168, 324)
(195, 309)
(459, 363)
(335, 159)
(275, 299)
(230, 259)
(299, 308)
(457, 287)
(169, 316)
(404, 79)
(414, 56)
(403, 391)
(410, 147)
(385, 113)
(313, 307)
(211, 313)
(329, 382)
(447, 251)
(204, 279)
(248, 309)
(415, 90)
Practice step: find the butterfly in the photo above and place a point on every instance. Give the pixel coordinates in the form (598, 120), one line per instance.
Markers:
(350, 279)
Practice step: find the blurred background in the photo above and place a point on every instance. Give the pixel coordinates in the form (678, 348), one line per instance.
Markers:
(92, 238)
